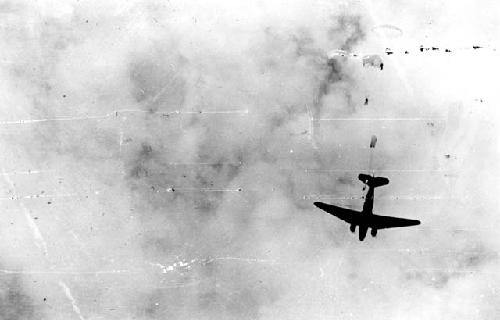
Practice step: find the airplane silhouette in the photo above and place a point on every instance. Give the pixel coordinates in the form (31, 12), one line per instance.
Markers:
(366, 219)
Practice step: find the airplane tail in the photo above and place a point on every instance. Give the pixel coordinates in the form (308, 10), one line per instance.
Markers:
(373, 181)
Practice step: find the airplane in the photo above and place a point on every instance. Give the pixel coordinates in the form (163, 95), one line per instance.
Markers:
(366, 218)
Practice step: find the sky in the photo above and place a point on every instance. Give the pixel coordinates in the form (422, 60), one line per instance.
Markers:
(160, 159)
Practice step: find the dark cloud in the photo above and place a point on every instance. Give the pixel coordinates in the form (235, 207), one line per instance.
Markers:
(15, 301)
(464, 256)
(157, 81)
(350, 29)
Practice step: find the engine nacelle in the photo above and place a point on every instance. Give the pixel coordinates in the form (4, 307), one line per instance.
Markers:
(373, 232)
(353, 228)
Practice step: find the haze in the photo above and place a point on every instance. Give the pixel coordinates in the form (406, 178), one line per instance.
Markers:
(160, 159)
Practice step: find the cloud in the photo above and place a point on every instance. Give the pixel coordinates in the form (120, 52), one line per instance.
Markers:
(15, 302)
(179, 148)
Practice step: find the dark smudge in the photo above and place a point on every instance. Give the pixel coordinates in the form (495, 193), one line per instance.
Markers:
(157, 80)
(351, 27)
(346, 180)
(465, 256)
(15, 303)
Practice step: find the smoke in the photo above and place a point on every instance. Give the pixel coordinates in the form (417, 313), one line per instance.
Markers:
(180, 146)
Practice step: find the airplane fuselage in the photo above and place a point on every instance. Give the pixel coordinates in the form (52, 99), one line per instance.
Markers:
(366, 213)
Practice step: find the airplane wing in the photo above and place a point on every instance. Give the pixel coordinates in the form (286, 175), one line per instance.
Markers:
(349, 216)
(384, 222)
